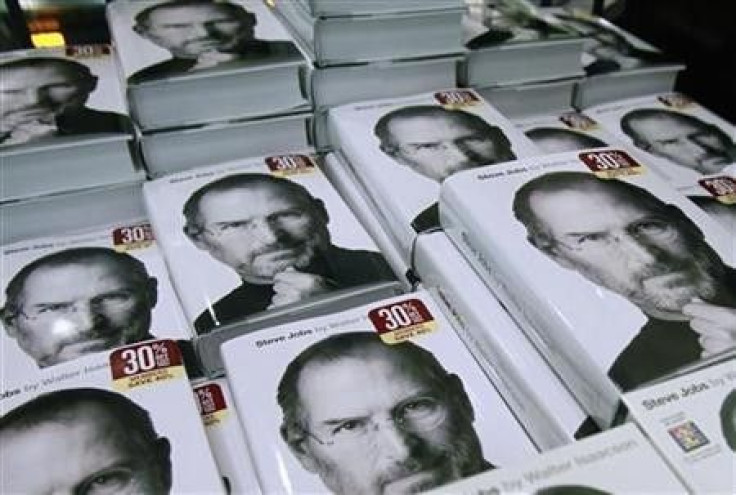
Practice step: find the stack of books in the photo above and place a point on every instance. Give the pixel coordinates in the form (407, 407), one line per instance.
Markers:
(209, 81)
(367, 50)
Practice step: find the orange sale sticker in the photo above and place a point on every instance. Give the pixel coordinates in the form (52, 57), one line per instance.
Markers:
(211, 403)
(457, 98)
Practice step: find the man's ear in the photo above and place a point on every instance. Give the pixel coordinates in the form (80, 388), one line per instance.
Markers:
(163, 461)
(152, 291)
(321, 210)
(296, 440)
(388, 149)
(195, 236)
(547, 247)
(8, 320)
(462, 401)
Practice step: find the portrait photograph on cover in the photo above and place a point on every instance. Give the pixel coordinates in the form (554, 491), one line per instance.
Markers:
(173, 38)
(58, 92)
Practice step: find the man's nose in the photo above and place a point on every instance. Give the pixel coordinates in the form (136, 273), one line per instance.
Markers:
(455, 150)
(637, 251)
(200, 29)
(34, 96)
(264, 231)
(394, 442)
(84, 316)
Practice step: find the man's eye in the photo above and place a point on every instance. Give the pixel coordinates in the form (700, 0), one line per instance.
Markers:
(113, 298)
(419, 407)
(51, 308)
(596, 237)
(349, 427)
(108, 483)
(286, 215)
(651, 227)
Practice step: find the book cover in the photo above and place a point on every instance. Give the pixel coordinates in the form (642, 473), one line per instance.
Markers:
(402, 149)
(380, 398)
(620, 276)
(71, 295)
(533, 391)
(60, 95)
(119, 422)
(692, 421)
(681, 138)
(247, 236)
(163, 39)
(566, 131)
(716, 195)
(620, 460)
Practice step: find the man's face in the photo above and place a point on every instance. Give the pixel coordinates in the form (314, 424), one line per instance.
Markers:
(644, 256)
(87, 455)
(76, 309)
(33, 94)
(189, 31)
(261, 231)
(437, 147)
(696, 146)
(384, 428)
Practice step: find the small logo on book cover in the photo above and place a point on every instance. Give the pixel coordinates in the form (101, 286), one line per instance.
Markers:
(456, 98)
(402, 321)
(611, 164)
(675, 100)
(688, 436)
(579, 121)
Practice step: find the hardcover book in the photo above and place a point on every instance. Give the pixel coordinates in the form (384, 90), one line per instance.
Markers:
(683, 140)
(566, 131)
(71, 295)
(533, 391)
(617, 63)
(226, 438)
(60, 110)
(118, 422)
(332, 8)
(352, 38)
(617, 274)
(402, 149)
(620, 460)
(692, 422)
(512, 42)
(389, 383)
(247, 236)
(205, 61)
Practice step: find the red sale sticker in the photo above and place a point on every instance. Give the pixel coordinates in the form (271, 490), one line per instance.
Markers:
(211, 403)
(722, 188)
(402, 320)
(456, 98)
(146, 364)
(578, 121)
(611, 164)
(286, 165)
(675, 100)
(87, 51)
(133, 237)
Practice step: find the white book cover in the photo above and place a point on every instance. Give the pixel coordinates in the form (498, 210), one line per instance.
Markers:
(716, 194)
(382, 398)
(618, 461)
(566, 131)
(402, 149)
(163, 39)
(71, 295)
(622, 278)
(541, 401)
(226, 437)
(123, 422)
(683, 140)
(245, 236)
(60, 94)
(692, 421)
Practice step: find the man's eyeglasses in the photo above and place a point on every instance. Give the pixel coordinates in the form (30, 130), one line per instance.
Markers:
(646, 230)
(104, 303)
(418, 414)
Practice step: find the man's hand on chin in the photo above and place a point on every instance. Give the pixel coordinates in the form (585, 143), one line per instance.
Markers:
(716, 326)
(292, 286)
